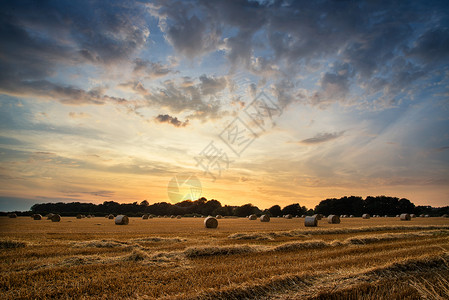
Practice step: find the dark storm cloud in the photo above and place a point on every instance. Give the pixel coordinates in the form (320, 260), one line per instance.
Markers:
(39, 36)
(378, 49)
(171, 120)
(371, 37)
(432, 46)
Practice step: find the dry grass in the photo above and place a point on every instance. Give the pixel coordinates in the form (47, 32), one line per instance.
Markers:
(379, 258)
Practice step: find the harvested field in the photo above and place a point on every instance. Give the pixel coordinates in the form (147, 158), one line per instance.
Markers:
(380, 258)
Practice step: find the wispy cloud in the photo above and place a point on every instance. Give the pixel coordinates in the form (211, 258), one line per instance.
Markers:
(322, 138)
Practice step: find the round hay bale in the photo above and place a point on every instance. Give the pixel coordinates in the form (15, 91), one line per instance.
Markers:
(303, 216)
(366, 216)
(412, 215)
(289, 216)
(12, 215)
(178, 217)
(89, 216)
(333, 219)
(210, 222)
(218, 217)
(311, 221)
(111, 216)
(426, 216)
(79, 216)
(318, 216)
(252, 217)
(121, 220)
(37, 217)
(405, 217)
(398, 216)
(49, 216)
(172, 216)
(264, 218)
(421, 215)
(351, 216)
(56, 218)
(145, 217)
(445, 216)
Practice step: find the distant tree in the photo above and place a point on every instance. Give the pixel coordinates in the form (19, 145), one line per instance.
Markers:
(294, 209)
(144, 203)
(275, 211)
(405, 206)
(246, 210)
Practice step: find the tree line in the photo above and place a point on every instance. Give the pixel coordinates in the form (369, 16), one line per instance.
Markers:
(352, 205)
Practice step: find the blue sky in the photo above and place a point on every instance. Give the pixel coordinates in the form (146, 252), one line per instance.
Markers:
(111, 100)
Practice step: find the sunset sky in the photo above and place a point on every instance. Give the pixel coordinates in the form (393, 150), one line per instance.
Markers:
(110, 100)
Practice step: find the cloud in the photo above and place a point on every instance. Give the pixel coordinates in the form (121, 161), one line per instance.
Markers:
(64, 94)
(80, 115)
(37, 39)
(171, 120)
(190, 35)
(202, 100)
(322, 138)
(150, 70)
(134, 86)
(370, 39)
(212, 85)
(432, 46)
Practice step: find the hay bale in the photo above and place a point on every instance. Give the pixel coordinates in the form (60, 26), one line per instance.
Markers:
(303, 216)
(311, 221)
(264, 218)
(49, 216)
(318, 216)
(121, 220)
(405, 217)
(111, 216)
(210, 222)
(426, 216)
(398, 216)
(218, 217)
(421, 215)
(386, 216)
(289, 216)
(89, 216)
(445, 216)
(12, 215)
(333, 219)
(145, 217)
(79, 216)
(178, 217)
(252, 217)
(56, 218)
(412, 215)
(37, 217)
(366, 216)
(351, 216)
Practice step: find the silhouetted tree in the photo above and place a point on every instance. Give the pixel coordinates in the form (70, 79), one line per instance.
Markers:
(275, 211)
(294, 209)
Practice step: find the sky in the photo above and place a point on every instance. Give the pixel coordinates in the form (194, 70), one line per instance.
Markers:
(262, 102)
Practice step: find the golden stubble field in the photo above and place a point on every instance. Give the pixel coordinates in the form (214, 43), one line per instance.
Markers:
(379, 258)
